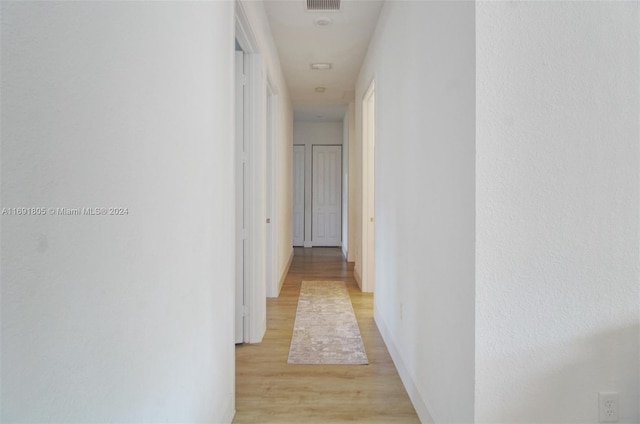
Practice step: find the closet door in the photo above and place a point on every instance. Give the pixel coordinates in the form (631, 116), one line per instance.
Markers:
(326, 189)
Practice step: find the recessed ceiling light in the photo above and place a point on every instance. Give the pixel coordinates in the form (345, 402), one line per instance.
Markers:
(322, 21)
(320, 89)
(320, 66)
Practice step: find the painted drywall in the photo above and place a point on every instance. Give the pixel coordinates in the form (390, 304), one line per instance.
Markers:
(345, 184)
(557, 210)
(309, 133)
(284, 134)
(118, 318)
(350, 122)
(424, 199)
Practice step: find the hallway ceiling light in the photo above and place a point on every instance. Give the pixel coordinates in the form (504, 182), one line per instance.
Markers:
(323, 21)
(320, 66)
(320, 89)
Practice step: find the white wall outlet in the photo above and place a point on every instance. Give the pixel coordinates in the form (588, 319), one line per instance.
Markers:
(608, 407)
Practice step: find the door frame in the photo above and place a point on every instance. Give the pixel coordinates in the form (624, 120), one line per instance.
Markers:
(240, 324)
(255, 299)
(368, 187)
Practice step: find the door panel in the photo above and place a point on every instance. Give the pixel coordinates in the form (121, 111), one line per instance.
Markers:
(326, 216)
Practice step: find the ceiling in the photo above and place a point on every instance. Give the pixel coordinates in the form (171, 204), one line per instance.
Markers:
(301, 42)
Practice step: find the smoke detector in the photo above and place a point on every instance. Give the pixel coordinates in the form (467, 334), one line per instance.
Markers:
(323, 21)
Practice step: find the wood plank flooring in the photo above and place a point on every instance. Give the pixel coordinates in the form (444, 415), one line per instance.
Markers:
(268, 390)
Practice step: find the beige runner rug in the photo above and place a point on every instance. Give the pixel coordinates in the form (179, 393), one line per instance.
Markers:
(326, 330)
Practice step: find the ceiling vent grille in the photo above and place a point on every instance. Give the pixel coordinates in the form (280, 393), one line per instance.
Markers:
(323, 5)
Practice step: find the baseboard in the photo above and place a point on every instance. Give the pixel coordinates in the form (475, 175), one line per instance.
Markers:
(344, 252)
(357, 277)
(419, 403)
(228, 418)
(228, 415)
(285, 272)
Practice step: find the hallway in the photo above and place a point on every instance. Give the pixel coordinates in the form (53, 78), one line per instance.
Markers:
(270, 390)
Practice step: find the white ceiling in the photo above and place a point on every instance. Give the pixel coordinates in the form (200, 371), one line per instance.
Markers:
(301, 42)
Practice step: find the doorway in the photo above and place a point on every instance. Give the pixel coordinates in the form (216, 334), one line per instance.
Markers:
(368, 188)
(241, 199)
(251, 185)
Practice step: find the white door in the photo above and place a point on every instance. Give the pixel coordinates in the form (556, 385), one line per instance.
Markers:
(298, 195)
(241, 181)
(326, 209)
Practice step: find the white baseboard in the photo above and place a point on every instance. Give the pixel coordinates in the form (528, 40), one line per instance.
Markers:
(419, 403)
(357, 277)
(229, 413)
(285, 272)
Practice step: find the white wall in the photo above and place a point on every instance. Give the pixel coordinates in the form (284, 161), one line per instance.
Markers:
(557, 210)
(308, 133)
(424, 199)
(353, 172)
(284, 154)
(345, 184)
(118, 318)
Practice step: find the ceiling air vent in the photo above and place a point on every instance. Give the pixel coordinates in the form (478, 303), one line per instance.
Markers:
(323, 5)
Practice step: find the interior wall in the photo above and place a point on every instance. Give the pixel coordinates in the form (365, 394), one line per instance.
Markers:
(345, 184)
(117, 318)
(424, 199)
(309, 133)
(354, 220)
(284, 154)
(355, 166)
(557, 210)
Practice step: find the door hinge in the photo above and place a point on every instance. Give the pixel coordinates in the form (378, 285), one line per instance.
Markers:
(244, 79)
(245, 311)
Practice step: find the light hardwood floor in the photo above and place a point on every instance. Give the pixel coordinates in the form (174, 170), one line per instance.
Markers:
(268, 390)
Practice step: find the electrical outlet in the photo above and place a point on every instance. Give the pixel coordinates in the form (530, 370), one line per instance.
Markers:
(608, 407)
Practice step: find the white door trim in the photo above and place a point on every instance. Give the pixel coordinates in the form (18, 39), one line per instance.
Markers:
(368, 188)
(255, 208)
(244, 33)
